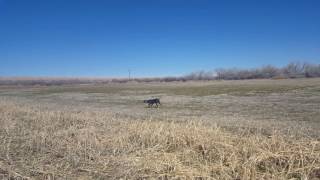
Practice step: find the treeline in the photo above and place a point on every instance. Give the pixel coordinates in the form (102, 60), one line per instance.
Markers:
(74, 81)
(292, 70)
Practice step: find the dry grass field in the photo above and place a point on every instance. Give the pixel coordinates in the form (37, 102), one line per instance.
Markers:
(248, 129)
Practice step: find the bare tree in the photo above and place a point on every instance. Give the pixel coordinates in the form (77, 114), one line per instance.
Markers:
(294, 70)
(269, 71)
(312, 70)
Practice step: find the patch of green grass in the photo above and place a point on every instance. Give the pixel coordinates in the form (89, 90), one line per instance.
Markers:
(240, 90)
(114, 89)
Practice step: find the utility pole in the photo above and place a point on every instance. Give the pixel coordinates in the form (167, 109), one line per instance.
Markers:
(129, 73)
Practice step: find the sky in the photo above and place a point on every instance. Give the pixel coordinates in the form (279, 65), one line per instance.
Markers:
(152, 38)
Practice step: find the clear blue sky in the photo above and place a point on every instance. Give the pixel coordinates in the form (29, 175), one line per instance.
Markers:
(153, 37)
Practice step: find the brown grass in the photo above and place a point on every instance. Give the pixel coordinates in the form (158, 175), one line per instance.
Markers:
(38, 142)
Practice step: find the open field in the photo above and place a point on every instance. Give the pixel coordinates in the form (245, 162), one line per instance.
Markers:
(250, 129)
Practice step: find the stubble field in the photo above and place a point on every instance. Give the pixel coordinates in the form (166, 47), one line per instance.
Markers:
(250, 129)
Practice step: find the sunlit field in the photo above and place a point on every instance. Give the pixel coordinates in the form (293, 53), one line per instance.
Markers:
(246, 129)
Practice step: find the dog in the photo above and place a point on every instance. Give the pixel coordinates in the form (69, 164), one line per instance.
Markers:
(151, 102)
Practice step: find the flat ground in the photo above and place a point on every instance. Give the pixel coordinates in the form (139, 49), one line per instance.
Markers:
(105, 131)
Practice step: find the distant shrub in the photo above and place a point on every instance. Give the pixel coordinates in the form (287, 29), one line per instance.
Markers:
(279, 77)
(200, 75)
